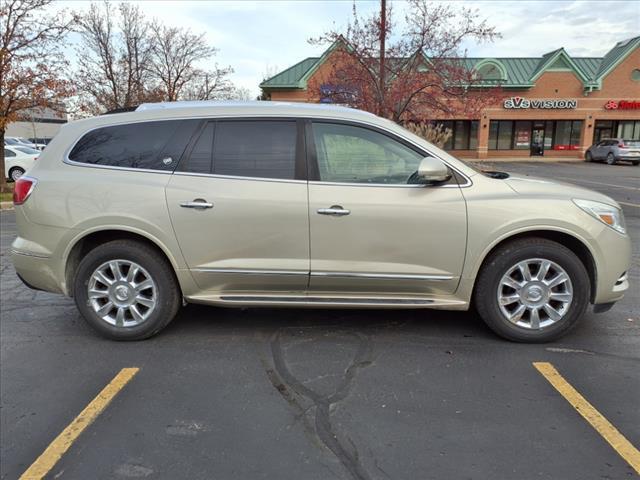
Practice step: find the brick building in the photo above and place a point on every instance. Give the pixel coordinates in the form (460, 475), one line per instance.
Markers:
(554, 105)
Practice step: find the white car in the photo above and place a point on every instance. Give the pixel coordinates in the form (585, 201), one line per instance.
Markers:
(18, 159)
(18, 142)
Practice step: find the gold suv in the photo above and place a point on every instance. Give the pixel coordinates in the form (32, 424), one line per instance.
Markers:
(275, 204)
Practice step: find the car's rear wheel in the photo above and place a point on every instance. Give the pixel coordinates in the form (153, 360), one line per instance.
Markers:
(611, 159)
(15, 173)
(126, 290)
(635, 164)
(532, 290)
(588, 157)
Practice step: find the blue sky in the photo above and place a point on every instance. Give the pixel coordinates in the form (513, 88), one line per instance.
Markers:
(256, 37)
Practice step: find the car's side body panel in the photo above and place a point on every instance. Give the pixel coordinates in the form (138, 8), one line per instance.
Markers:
(396, 239)
(417, 232)
(254, 237)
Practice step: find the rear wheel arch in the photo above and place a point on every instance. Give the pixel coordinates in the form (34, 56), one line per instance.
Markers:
(94, 239)
(569, 241)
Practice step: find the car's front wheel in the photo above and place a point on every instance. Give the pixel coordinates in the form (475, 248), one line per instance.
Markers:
(126, 290)
(532, 290)
(588, 157)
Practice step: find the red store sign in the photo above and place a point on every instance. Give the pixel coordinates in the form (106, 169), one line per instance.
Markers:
(622, 105)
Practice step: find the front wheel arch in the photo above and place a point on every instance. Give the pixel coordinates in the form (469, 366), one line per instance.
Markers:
(569, 241)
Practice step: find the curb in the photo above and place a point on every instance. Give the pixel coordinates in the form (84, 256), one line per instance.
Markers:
(6, 205)
(526, 160)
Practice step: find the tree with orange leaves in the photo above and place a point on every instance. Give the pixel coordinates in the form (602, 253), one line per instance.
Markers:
(31, 66)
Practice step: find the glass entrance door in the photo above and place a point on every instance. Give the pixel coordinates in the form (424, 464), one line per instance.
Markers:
(537, 139)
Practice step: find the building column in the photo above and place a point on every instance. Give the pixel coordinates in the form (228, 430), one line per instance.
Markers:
(586, 136)
(483, 136)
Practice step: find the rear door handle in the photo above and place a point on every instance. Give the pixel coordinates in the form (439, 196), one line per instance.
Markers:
(198, 204)
(335, 210)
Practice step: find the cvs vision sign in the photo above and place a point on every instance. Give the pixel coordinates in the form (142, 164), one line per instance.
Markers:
(520, 102)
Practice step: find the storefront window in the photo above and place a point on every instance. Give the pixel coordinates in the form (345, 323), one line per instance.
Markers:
(522, 140)
(505, 131)
(461, 135)
(563, 133)
(517, 135)
(629, 130)
(464, 134)
(548, 134)
(500, 135)
(567, 134)
(576, 129)
(473, 135)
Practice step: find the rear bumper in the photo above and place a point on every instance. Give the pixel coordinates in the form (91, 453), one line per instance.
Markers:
(37, 272)
(629, 158)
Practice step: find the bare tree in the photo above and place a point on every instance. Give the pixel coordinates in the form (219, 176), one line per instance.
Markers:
(213, 85)
(31, 65)
(114, 58)
(175, 55)
(403, 74)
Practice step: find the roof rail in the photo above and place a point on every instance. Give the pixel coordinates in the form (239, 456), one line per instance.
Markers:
(237, 103)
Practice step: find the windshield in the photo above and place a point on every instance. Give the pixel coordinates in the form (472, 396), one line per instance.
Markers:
(28, 150)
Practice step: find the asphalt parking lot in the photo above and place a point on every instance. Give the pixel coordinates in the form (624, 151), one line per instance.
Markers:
(322, 394)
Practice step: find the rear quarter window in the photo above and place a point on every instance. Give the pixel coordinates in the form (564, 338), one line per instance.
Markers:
(146, 145)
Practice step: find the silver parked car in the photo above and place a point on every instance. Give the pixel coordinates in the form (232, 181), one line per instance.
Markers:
(613, 150)
(276, 204)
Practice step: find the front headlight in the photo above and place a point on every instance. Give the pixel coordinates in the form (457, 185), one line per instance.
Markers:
(607, 214)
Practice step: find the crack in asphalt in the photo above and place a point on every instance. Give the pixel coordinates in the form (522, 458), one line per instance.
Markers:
(287, 384)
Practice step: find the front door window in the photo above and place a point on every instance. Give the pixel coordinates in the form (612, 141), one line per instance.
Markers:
(350, 154)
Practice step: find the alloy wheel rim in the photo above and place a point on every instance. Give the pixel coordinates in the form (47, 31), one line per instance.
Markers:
(16, 174)
(535, 293)
(122, 293)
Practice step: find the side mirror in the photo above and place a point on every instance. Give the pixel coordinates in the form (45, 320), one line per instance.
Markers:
(432, 170)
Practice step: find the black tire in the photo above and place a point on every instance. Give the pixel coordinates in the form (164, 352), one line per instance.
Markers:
(15, 173)
(611, 159)
(588, 157)
(168, 292)
(485, 294)
(635, 164)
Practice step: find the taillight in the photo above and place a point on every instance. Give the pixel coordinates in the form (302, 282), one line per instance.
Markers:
(22, 189)
(621, 145)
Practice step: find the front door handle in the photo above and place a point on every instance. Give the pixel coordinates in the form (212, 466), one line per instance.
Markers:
(335, 210)
(198, 204)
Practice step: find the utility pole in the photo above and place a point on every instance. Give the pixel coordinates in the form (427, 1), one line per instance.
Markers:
(383, 36)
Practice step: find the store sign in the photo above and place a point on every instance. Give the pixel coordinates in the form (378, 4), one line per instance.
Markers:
(622, 105)
(560, 103)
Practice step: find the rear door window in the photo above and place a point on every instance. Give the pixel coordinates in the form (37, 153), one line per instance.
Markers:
(146, 145)
(199, 158)
(255, 148)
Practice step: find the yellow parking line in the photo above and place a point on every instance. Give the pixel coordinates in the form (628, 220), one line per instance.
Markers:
(62, 442)
(610, 433)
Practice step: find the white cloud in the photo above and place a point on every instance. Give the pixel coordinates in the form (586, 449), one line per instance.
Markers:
(253, 36)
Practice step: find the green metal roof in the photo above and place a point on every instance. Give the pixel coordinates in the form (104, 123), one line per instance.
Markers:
(290, 78)
(521, 71)
(616, 54)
